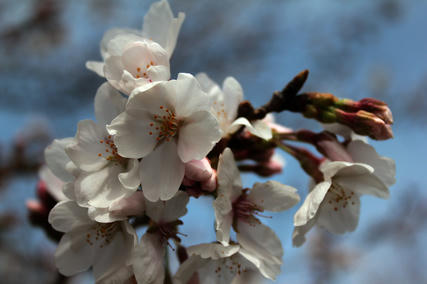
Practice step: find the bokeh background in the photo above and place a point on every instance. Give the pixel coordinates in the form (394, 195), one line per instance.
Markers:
(353, 48)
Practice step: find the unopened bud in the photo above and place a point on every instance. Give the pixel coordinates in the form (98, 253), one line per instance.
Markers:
(365, 123)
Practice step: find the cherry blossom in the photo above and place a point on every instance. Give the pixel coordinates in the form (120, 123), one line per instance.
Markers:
(235, 207)
(225, 103)
(334, 203)
(103, 246)
(134, 58)
(104, 176)
(167, 125)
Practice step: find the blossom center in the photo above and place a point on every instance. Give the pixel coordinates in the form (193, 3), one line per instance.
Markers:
(231, 265)
(339, 198)
(110, 153)
(142, 71)
(164, 126)
(102, 234)
(244, 209)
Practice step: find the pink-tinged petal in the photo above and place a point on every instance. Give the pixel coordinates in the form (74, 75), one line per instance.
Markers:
(338, 218)
(161, 172)
(57, 159)
(85, 151)
(189, 96)
(168, 211)
(213, 250)
(130, 178)
(310, 207)
(148, 260)
(67, 216)
(197, 136)
(73, 254)
(131, 134)
(101, 188)
(161, 26)
(109, 103)
(262, 247)
(273, 196)
(298, 235)
(384, 167)
(210, 184)
(96, 66)
(114, 254)
(198, 170)
(233, 96)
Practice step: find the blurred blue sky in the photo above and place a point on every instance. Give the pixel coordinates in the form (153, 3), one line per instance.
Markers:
(353, 49)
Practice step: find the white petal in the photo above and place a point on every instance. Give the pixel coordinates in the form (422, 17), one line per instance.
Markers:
(57, 159)
(384, 168)
(248, 277)
(109, 103)
(233, 96)
(123, 275)
(298, 235)
(133, 205)
(213, 250)
(339, 219)
(198, 136)
(84, 152)
(148, 260)
(131, 134)
(53, 183)
(73, 254)
(262, 247)
(187, 269)
(170, 210)
(162, 172)
(100, 188)
(161, 26)
(223, 222)
(258, 128)
(97, 67)
(104, 215)
(229, 181)
(205, 82)
(159, 73)
(311, 204)
(116, 253)
(116, 40)
(130, 178)
(67, 216)
(189, 96)
(274, 196)
(68, 190)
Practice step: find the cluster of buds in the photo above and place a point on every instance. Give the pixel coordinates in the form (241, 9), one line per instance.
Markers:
(157, 142)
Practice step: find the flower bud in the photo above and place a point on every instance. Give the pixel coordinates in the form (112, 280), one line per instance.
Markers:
(365, 123)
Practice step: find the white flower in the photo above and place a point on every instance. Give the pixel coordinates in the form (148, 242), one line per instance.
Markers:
(334, 204)
(214, 263)
(149, 256)
(53, 183)
(105, 247)
(236, 207)
(134, 58)
(104, 176)
(225, 103)
(167, 125)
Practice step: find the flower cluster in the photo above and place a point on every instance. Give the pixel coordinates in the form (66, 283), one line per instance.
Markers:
(157, 142)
